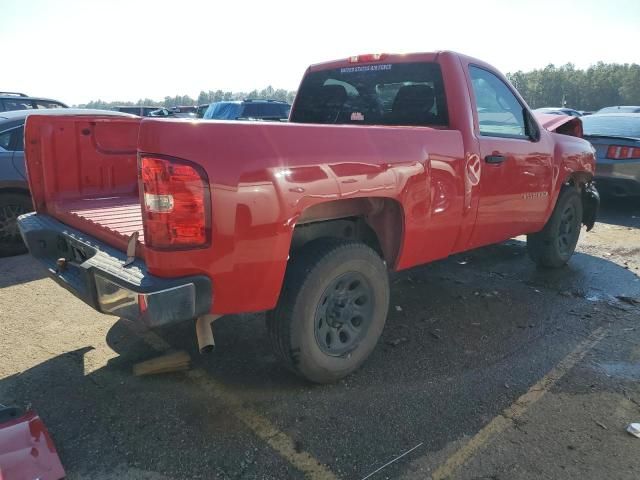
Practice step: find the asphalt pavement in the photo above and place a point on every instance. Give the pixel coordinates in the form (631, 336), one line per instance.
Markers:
(488, 368)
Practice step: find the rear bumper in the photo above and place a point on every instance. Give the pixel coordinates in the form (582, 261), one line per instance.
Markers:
(95, 273)
(618, 178)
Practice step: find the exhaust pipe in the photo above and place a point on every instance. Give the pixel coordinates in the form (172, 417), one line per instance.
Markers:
(204, 332)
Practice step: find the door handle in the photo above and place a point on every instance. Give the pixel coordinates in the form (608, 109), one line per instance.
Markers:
(496, 158)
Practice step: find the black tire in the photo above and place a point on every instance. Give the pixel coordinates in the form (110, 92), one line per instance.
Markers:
(12, 205)
(554, 245)
(331, 311)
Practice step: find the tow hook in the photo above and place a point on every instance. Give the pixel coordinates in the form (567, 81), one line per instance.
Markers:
(61, 265)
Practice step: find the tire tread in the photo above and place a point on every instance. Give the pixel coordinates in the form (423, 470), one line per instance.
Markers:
(541, 245)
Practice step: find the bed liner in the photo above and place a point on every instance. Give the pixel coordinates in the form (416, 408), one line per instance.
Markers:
(116, 218)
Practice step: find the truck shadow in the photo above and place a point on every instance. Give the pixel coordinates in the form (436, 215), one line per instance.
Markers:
(467, 334)
(479, 306)
(19, 269)
(620, 211)
(108, 424)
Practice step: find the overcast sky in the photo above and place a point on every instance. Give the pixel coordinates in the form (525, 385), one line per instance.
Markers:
(81, 50)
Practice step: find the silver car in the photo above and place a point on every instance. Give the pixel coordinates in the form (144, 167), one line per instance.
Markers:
(10, 101)
(616, 138)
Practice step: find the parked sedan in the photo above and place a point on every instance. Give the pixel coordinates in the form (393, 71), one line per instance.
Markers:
(14, 189)
(559, 111)
(616, 138)
(10, 101)
(620, 109)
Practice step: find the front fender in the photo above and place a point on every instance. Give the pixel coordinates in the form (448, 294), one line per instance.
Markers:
(590, 205)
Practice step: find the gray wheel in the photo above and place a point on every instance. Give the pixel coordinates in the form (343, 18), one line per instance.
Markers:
(331, 311)
(554, 245)
(12, 205)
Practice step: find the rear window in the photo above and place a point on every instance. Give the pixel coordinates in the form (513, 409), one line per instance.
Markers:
(614, 126)
(223, 111)
(275, 111)
(132, 110)
(47, 104)
(377, 94)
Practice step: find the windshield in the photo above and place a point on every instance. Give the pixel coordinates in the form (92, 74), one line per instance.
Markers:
(612, 125)
(378, 94)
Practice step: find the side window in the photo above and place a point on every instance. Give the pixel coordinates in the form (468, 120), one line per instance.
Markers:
(12, 140)
(17, 104)
(5, 139)
(18, 140)
(499, 111)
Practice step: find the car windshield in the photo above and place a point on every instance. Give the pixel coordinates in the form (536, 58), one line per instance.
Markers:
(376, 94)
(612, 125)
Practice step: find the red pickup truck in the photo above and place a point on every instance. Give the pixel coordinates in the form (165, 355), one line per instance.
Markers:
(387, 162)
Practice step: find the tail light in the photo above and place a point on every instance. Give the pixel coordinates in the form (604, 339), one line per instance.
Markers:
(176, 203)
(618, 152)
(369, 57)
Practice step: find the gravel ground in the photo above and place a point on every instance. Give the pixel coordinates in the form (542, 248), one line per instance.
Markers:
(466, 340)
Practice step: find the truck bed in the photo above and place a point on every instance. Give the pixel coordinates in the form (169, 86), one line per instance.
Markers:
(111, 219)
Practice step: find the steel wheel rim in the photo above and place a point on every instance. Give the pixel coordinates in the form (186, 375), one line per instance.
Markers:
(344, 314)
(567, 230)
(9, 231)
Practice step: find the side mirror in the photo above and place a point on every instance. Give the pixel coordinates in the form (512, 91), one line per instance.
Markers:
(530, 126)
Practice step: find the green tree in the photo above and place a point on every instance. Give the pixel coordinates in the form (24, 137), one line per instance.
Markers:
(600, 85)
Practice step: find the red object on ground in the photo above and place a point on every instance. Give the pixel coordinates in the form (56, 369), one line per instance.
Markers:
(27, 451)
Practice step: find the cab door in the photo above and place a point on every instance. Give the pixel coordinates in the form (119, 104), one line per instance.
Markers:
(516, 162)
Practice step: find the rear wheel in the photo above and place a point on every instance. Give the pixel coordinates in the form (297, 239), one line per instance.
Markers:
(12, 205)
(554, 245)
(331, 311)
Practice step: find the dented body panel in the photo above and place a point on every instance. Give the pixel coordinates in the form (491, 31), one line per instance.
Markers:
(425, 192)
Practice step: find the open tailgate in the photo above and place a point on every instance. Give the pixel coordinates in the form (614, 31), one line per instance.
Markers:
(83, 171)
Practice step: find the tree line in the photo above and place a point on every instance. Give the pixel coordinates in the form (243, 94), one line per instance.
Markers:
(204, 97)
(600, 85)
